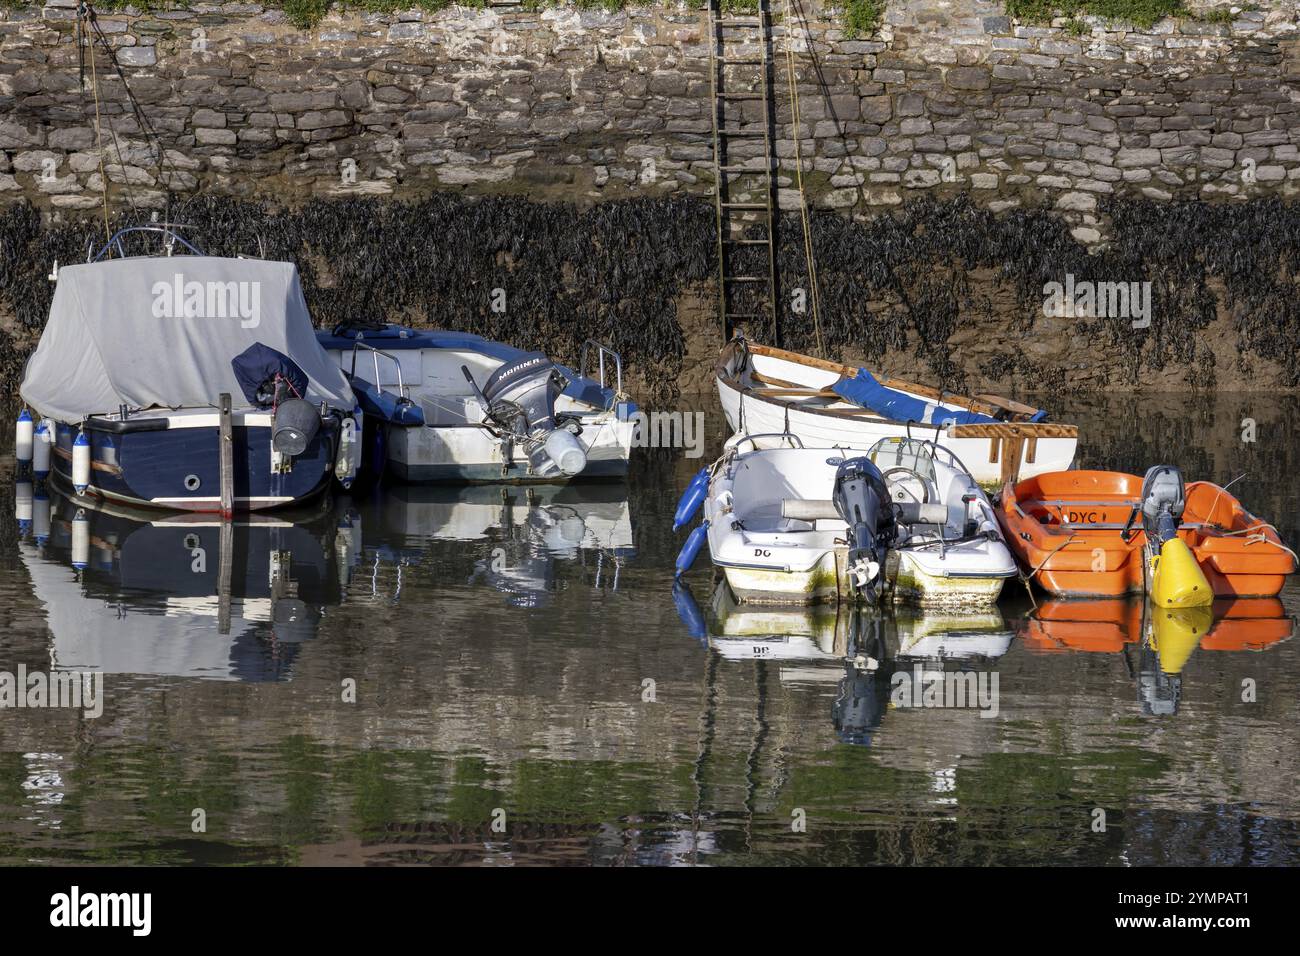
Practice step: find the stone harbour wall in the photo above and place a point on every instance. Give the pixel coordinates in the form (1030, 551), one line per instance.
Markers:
(946, 96)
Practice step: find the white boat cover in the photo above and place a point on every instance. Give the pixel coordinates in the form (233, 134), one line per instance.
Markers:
(163, 331)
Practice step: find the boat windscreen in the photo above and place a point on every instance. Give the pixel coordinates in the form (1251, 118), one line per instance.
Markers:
(910, 453)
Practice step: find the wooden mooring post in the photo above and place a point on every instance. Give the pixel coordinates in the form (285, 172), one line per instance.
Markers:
(227, 457)
(225, 570)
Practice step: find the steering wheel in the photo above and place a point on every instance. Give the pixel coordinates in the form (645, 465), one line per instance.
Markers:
(899, 489)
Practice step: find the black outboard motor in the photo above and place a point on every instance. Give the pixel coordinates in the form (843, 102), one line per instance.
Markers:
(863, 692)
(520, 399)
(860, 704)
(862, 500)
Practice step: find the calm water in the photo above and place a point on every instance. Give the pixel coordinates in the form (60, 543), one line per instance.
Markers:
(521, 658)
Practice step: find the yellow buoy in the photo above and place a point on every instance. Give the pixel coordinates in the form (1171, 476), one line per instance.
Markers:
(1176, 632)
(1176, 579)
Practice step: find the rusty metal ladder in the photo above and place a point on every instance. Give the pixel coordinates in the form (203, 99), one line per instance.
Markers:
(739, 44)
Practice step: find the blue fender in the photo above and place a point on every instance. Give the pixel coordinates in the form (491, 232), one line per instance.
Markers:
(691, 499)
(691, 549)
(689, 611)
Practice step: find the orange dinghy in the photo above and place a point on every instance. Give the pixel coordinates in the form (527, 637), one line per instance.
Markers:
(1106, 626)
(1075, 533)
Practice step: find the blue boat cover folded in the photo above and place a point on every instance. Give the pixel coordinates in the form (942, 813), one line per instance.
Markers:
(864, 390)
(257, 365)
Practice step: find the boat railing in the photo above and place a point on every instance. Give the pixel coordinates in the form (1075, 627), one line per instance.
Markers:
(375, 355)
(169, 234)
(602, 351)
(794, 440)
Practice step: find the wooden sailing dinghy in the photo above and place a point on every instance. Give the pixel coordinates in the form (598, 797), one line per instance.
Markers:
(830, 405)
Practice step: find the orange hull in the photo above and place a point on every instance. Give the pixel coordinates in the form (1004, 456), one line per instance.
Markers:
(1106, 626)
(1064, 529)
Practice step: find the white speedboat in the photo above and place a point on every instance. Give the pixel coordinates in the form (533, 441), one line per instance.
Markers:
(939, 635)
(826, 404)
(904, 522)
(454, 407)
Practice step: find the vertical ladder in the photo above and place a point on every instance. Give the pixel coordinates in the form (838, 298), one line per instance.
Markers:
(740, 68)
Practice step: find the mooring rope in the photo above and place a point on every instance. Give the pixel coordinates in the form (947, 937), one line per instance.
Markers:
(87, 18)
(99, 132)
(814, 298)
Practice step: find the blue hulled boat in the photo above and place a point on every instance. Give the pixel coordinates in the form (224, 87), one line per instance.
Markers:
(128, 379)
(238, 605)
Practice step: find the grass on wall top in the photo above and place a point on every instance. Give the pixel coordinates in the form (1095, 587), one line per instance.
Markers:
(1140, 13)
(859, 18)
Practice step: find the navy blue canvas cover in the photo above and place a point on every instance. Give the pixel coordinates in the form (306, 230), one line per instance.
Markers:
(260, 363)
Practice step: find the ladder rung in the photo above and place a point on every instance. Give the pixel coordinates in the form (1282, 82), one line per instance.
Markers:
(742, 169)
(740, 61)
(742, 132)
(739, 21)
(743, 205)
(742, 96)
(744, 315)
(745, 279)
(746, 242)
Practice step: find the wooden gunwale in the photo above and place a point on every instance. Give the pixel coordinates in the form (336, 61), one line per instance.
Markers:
(991, 430)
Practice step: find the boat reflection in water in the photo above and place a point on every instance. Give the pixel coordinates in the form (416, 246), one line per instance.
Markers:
(532, 530)
(1156, 643)
(869, 645)
(132, 592)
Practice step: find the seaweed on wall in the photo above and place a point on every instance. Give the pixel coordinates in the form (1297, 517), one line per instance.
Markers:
(616, 270)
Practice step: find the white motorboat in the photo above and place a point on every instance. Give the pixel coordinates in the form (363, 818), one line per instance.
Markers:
(829, 405)
(454, 407)
(904, 522)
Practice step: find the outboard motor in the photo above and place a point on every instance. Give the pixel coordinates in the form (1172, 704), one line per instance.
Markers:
(863, 694)
(860, 705)
(520, 399)
(1163, 500)
(1175, 577)
(862, 500)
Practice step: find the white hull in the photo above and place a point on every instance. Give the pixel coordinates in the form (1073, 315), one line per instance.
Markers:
(468, 453)
(826, 431)
(769, 558)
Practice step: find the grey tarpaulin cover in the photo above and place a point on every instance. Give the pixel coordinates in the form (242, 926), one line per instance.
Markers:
(161, 332)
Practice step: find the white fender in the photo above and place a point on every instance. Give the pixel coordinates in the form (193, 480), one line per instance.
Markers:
(80, 540)
(41, 517)
(81, 463)
(23, 437)
(23, 505)
(42, 443)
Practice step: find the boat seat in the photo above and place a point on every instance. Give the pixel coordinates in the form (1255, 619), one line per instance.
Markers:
(910, 512)
(771, 517)
(442, 410)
